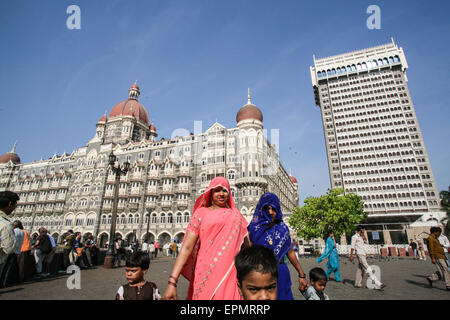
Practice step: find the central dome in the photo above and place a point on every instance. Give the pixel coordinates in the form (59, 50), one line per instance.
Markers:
(131, 107)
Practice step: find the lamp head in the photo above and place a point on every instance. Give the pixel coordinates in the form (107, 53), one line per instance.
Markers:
(112, 159)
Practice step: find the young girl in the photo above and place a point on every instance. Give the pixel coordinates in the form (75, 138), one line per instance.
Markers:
(137, 287)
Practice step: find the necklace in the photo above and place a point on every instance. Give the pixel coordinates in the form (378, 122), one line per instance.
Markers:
(271, 237)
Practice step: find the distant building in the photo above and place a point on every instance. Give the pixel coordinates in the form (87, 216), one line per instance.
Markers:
(75, 191)
(374, 143)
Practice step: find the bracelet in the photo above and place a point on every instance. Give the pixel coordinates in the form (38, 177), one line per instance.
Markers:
(176, 279)
(304, 277)
(172, 283)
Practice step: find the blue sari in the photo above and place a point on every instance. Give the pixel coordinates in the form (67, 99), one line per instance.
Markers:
(332, 254)
(276, 238)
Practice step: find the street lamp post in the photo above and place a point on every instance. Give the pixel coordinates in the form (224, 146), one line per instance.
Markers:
(109, 258)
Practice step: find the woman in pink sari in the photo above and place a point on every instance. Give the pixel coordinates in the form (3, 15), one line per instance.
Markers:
(214, 236)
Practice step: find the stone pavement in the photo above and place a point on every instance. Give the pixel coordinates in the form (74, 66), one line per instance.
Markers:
(405, 279)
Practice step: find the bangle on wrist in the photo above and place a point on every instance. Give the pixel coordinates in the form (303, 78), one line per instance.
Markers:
(172, 283)
(175, 279)
(304, 276)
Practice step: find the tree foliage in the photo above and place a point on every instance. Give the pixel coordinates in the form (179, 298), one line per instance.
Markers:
(333, 211)
(445, 204)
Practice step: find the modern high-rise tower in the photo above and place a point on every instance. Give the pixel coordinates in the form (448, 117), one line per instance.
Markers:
(374, 143)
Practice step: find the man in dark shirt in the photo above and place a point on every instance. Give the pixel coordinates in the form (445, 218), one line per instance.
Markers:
(413, 246)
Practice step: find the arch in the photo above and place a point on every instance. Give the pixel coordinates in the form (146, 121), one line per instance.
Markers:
(130, 237)
(179, 236)
(148, 237)
(102, 240)
(163, 238)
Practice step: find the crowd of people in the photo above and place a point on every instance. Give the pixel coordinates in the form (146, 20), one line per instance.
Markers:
(222, 255)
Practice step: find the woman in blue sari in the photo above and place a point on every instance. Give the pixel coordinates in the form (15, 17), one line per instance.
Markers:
(268, 229)
(332, 254)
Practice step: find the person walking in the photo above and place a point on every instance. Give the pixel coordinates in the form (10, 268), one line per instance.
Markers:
(215, 234)
(438, 258)
(166, 248)
(421, 245)
(8, 203)
(268, 229)
(174, 249)
(357, 244)
(413, 246)
(443, 240)
(156, 249)
(151, 250)
(332, 254)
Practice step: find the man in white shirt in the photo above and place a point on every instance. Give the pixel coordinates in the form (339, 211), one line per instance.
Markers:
(358, 241)
(443, 240)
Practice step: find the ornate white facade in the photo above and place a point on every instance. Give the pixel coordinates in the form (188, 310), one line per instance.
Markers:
(75, 191)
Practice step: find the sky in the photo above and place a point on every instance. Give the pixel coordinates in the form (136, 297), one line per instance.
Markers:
(195, 59)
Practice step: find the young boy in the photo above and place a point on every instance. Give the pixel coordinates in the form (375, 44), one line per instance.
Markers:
(257, 273)
(318, 279)
(137, 287)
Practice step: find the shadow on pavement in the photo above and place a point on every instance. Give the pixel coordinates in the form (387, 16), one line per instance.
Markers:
(11, 290)
(419, 284)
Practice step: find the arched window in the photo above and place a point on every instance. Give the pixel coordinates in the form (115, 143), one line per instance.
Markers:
(109, 219)
(170, 218)
(104, 219)
(179, 217)
(186, 217)
(122, 219)
(136, 218)
(130, 219)
(231, 175)
(163, 218)
(154, 218)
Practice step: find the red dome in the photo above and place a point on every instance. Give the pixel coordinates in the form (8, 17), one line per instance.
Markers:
(249, 111)
(130, 107)
(10, 156)
(152, 127)
(293, 179)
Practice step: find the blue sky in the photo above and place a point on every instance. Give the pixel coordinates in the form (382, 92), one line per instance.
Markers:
(195, 59)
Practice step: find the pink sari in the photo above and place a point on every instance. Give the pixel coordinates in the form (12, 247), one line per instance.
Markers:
(210, 268)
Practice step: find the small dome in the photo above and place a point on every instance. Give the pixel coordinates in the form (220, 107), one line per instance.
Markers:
(10, 156)
(293, 179)
(152, 127)
(249, 111)
(103, 118)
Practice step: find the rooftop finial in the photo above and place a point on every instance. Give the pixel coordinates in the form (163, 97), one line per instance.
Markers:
(248, 97)
(13, 150)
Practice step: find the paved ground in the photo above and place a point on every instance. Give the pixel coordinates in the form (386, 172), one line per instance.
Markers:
(405, 279)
